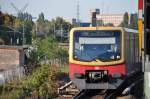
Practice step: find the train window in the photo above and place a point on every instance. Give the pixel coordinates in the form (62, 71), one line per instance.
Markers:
(97, 45)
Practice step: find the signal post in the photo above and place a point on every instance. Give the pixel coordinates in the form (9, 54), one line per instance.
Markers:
(144, 43)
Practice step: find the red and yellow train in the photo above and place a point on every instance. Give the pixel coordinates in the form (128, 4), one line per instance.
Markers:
(101, 57)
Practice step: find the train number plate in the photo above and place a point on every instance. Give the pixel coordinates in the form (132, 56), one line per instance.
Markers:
(97, 76)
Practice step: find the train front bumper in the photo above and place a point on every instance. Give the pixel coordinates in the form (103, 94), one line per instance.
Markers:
(82, 84)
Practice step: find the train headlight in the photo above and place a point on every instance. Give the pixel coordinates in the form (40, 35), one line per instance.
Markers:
(118, 57)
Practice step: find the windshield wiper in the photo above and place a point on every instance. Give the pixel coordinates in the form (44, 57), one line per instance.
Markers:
(92, 59)
(105, 57)
(101, 57)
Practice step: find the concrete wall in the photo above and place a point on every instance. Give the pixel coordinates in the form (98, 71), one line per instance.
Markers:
(10, 58)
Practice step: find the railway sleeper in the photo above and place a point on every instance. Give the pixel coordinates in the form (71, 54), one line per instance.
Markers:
(67, 90)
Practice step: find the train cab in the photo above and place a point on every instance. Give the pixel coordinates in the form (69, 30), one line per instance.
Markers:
(97, 56)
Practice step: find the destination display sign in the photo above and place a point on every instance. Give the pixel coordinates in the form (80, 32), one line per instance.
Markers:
(97, 33)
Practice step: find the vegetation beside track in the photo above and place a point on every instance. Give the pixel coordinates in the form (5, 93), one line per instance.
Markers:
(41, 83)
(41, 80)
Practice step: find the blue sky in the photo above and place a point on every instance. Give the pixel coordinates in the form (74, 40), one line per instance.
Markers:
(67, 8)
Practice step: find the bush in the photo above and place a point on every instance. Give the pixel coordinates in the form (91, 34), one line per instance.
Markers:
(41, 82)
(46, 49)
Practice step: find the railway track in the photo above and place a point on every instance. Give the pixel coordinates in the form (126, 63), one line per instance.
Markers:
(98, 94)
(90, 94)
(93, 94)
(69, 91)
(80, 94)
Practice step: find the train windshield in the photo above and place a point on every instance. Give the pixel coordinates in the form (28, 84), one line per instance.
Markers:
(97, 45)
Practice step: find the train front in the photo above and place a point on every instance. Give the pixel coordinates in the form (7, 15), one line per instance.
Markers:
(96, 57)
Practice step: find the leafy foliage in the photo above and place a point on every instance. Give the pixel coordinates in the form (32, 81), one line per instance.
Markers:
(41, 28)
(41, 18)
(109, 24)
(14, 28)
(46, 49)
(134, 21)
(46, 28)
(24, 24)
(100, 23)
(125, 22)
(131, 22)
(6, 19)
(41, 83)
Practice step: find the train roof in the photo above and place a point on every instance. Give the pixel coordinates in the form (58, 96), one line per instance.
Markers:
(131, 30)
(113, 28)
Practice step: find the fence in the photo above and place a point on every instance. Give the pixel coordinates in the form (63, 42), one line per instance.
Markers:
(19, 72)
(10, 75)
(58, 62)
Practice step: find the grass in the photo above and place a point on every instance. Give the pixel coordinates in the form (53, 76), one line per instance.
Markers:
(65, 69)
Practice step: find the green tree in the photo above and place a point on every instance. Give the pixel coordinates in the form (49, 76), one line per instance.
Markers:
(109, 24)
(24, 24)
(8, 20)
(41, 25)
(28, 25)
(25, 16)
(134, 21)
(125, 22)
(18, 24)
(1, 18)
(61, 23)
(100, 23)
(61, 26)
(41, 17)
(46, 48)
(52, 28)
